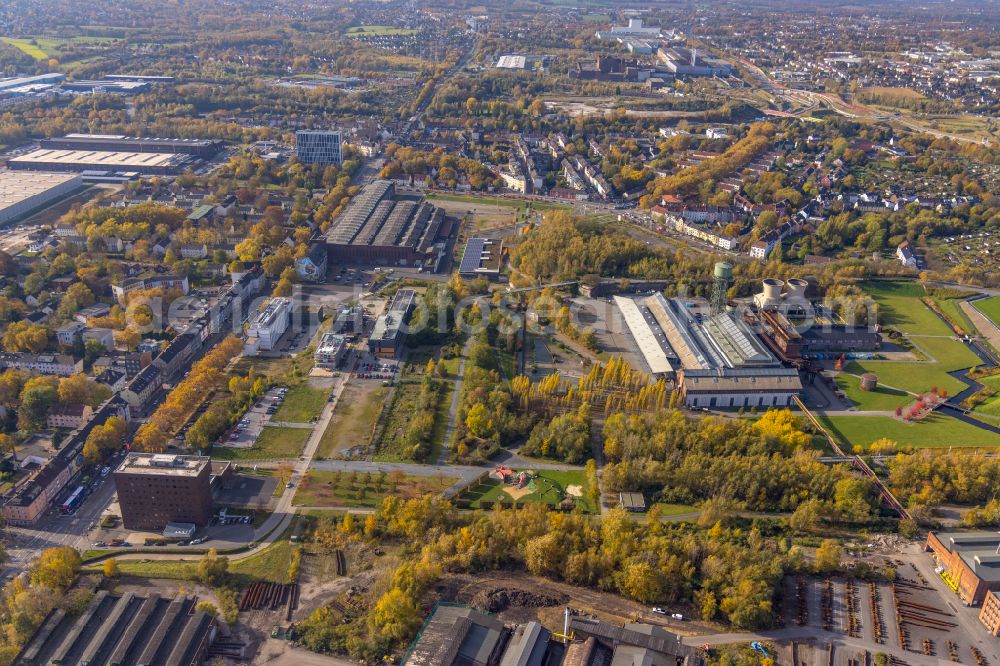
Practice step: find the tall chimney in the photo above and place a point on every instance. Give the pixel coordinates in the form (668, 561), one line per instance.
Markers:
(694, 57)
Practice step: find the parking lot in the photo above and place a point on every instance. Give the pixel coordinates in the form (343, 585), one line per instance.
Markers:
(371, 367)
(246, 432)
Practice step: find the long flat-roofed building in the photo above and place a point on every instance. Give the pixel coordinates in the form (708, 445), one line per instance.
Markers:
(718, 360)
(648, 336)
(21, 193)
(125, 630)
(13, 82)
(77, 161)
(482, 258)
(381, 224)
(204, 148)
(156, 489)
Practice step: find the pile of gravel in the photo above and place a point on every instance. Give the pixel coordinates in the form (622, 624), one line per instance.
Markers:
(502, 598)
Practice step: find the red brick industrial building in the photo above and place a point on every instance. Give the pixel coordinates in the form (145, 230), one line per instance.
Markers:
(970, 564)
(156, 489)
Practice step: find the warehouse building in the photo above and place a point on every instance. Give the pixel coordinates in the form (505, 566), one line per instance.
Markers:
(22, 193)
(388, 335)
(648, 336)
(118, 143)
(817, 338)
(688, 62)
(458, 635)
(78, 161)
(717, 360)
(482, 258)
(383, 225)
(157, 489)
(125, 630)
(16, 82)
(599, 642)
(969, 563)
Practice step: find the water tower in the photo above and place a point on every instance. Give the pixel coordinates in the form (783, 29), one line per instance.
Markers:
(722, 278)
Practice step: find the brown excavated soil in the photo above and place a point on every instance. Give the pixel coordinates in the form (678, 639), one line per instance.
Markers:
(502, 598)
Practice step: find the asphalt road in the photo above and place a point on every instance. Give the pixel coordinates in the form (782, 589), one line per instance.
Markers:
(25, 543)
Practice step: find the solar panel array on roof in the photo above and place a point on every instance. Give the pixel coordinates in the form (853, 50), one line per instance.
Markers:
(471, 257)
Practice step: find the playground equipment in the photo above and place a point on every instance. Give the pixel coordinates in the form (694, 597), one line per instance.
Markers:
(760, 648)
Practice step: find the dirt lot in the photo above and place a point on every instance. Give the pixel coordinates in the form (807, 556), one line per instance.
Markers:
(908, 614)
(473, 590)
(352, 422)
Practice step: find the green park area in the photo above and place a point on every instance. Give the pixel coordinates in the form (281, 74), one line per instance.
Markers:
(882, 399)
(990, 307)
(943, 356)
(270, 564)
(900, 307)
(26, 46)
(935, 431)
(989, 409)
(274, 443)
(364, 489)
(548, 486)
(379, 30)
(43, 48)
(301, 404)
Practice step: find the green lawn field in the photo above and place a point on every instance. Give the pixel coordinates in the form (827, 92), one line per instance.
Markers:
(503, 202)
(366, 30)
(25, 46)
(936, 431)
(954, 312)
(669, 509)
(48, 47)
(900, 306)
(917, 377)
(353, 420)
(882, 399)
(301, 404)
(349, 489)
(989, 410)
(274, 443)
(990, 307)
